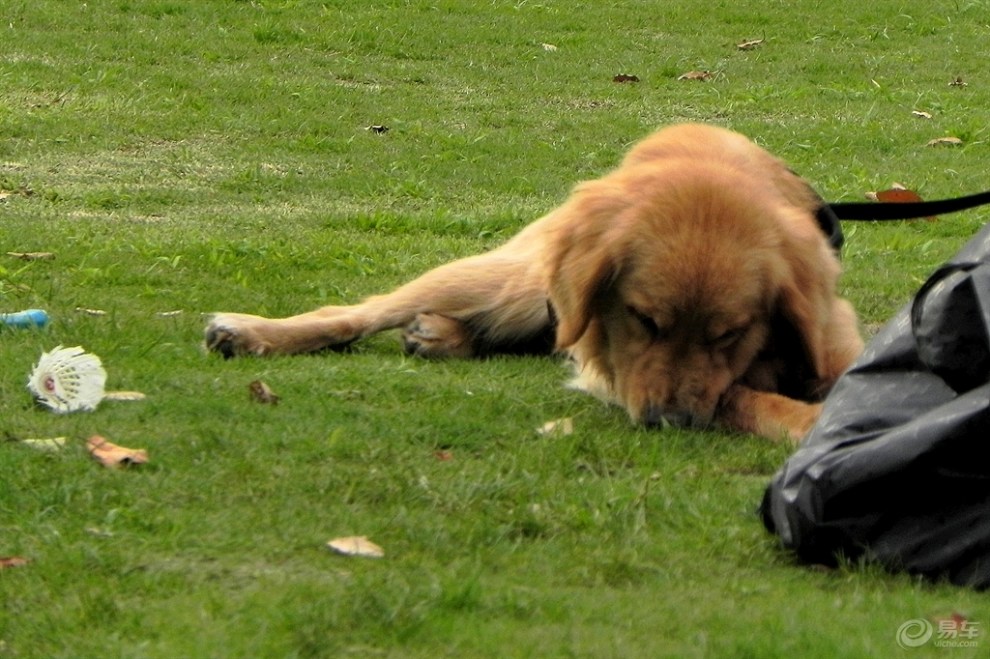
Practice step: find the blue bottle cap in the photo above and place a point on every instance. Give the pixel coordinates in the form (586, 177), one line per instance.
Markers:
(27, 318)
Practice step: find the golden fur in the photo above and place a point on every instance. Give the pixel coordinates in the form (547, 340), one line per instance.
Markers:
(691, 285)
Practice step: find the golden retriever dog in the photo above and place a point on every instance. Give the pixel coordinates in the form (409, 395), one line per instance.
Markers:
(692, 286)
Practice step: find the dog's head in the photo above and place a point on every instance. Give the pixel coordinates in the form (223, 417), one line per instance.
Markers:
(671, 281)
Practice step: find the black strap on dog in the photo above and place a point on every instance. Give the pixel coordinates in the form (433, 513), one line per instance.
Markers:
(828, 215)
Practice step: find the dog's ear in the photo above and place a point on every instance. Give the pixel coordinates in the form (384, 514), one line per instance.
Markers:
(807, 289)
(583, 257)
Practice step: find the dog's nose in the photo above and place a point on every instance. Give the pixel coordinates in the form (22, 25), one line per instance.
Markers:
(657, 416)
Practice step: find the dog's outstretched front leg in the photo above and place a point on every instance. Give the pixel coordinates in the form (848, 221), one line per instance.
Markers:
(234, 334)
(493, 297)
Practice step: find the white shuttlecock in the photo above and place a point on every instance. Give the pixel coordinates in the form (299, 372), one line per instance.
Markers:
(68, 379)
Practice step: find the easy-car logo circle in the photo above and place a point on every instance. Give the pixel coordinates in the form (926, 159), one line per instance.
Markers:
(914, 633)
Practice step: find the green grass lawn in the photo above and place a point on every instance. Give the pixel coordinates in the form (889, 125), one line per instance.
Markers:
(215, 155)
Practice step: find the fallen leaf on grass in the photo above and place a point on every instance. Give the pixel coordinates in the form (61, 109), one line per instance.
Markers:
(945, 141)
(549, 47)
(32, 256)
(262, 393)
(897, 193)
(98, 532)
(123, 395)
(113, 456)
(46, 444)
(443, 456)
(13, 561)
(557, 428)
(750, 45)
(696, 75)
(357, 545)
(625, 77)
(921, 114)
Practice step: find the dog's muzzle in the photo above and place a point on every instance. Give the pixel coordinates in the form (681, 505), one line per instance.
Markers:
(658, 417)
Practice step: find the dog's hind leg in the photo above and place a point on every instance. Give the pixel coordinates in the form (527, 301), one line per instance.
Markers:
(433, 335)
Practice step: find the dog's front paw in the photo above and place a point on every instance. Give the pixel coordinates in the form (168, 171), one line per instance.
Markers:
(233, 335)
(770, 415)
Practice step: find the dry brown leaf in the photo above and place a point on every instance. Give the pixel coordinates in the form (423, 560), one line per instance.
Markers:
(897, 193)
(921, 114)
(357, 545)
(696, 75)
(750, 45)
(123, 395)
(262, 393)
(32, 256)
(945, 141)
(113, 456)
(557, 428)
(13, 561)
(625, 77)
(443, 455)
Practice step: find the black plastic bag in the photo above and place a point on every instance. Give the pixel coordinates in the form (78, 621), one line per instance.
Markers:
(897, 469)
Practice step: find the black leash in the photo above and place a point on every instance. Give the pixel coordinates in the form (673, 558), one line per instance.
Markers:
(829, 215)
(851, 210)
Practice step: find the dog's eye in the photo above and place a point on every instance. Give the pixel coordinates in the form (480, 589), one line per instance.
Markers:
(728, 338)
(650, 325)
